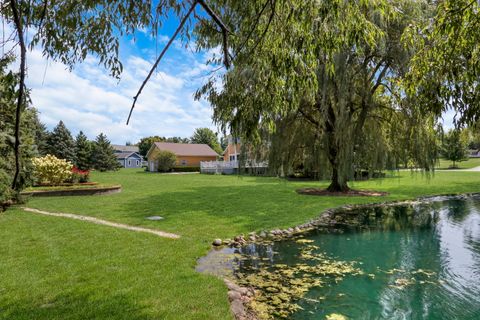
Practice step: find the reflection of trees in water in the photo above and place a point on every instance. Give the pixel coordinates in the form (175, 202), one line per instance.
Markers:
(392, 218)
(475, 203)
(418, 249)
(256, 256)
(428, 249)
(471, 236)
(457, 210)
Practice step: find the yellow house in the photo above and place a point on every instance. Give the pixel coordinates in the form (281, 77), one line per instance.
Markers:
(188, 154)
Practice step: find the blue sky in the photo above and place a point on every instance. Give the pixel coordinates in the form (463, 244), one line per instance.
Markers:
(88, 99)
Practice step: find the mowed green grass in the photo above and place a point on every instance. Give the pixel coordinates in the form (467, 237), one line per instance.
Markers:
(468, 164)
(56, 268)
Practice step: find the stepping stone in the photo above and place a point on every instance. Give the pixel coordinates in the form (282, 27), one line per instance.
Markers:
(154, 218)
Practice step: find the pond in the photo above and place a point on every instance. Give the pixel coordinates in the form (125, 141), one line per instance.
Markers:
(419, 261)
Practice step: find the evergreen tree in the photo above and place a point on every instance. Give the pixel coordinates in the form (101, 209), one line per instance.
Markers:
(61, 143)
(83, 152)
(103, 155)
(41, 134)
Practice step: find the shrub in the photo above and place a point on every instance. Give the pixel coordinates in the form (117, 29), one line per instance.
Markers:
(166, 160)
(80, 175)
(51, 170)
(186, 169)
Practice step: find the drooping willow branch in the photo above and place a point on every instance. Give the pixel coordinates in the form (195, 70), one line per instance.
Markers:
(20, 99)
(215, 18)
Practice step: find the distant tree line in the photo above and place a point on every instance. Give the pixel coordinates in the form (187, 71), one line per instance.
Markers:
(83, 153)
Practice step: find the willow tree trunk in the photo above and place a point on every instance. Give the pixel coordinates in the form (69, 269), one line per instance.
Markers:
(338, 182)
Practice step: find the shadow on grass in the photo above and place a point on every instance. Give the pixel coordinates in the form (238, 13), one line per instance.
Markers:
(75, 306)
(270, 202)
(261, 205)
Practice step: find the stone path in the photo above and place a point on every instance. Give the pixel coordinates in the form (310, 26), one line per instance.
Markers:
(104, 222)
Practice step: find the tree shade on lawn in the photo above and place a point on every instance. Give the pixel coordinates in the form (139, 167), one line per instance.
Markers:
(54, 268)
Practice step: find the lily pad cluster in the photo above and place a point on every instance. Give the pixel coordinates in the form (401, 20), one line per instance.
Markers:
(279, 287)
(403, 278)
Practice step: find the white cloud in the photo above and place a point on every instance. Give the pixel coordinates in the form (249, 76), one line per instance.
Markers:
(88, 99)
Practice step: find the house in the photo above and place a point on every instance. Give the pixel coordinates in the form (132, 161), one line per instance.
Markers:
(128, 156)
(474, 153)
(231, 157)
(188, 154)
(129, 159)
(232, 151)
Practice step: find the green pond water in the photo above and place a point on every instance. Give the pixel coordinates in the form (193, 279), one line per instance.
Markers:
(418, 262)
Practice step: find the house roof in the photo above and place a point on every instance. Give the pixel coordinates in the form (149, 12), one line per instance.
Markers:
(125, 155)
(186, 149)
(121, 148)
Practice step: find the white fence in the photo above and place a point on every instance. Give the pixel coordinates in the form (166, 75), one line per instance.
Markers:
(227, 167)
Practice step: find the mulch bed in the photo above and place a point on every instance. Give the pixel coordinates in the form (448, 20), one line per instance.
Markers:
(349, 193)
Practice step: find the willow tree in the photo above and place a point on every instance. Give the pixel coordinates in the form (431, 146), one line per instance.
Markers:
(327, 74)
(445, 71)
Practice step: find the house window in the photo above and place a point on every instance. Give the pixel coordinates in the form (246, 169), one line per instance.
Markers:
(233, 158)
(138, 163)
(129, 163)
(183, 162)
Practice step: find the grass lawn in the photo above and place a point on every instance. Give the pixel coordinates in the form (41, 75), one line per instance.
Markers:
(470, 163)
(56, 268)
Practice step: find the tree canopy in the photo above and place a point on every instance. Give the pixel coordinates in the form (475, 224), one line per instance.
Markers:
(445, 70)
(330, 82)
(206, 136)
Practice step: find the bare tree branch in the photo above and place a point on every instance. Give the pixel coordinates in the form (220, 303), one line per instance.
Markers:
(380, 77)
(225, 31)
(309, 117)
(179, 28)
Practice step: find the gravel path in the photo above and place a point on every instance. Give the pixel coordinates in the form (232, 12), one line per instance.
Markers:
(104, 222)
(475, 169)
